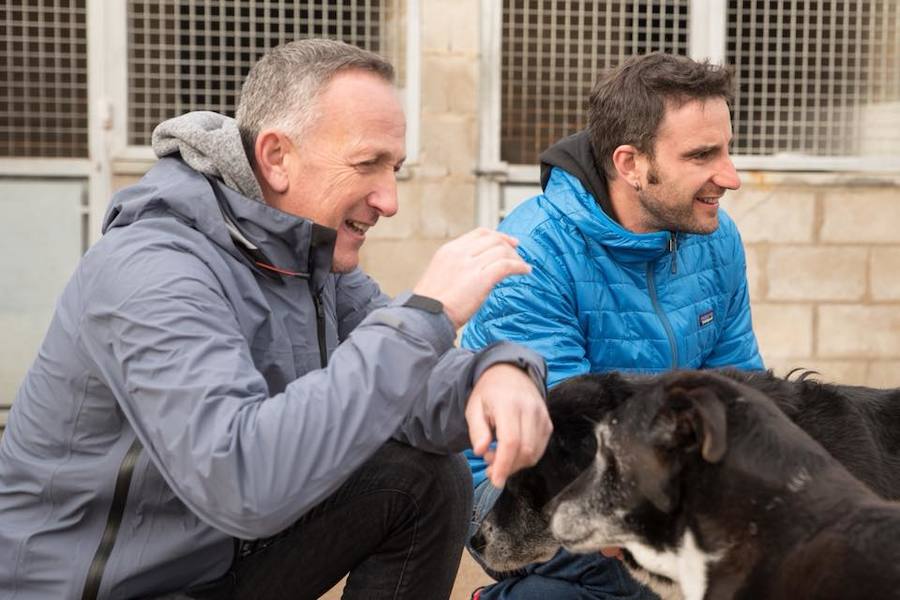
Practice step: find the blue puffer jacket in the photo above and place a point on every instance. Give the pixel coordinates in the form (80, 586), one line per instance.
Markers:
(601, 298)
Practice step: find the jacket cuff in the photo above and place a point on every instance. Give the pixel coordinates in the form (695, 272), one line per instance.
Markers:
(435, 328)
(507, 352)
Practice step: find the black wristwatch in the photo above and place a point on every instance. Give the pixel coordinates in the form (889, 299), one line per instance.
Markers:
(424, 303)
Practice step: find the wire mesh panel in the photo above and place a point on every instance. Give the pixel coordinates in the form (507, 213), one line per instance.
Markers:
(554, 51)
(43, 79)
(815, 77)
(194, 54)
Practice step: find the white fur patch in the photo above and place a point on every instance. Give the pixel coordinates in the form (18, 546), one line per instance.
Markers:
(687, 565)
(799, 480)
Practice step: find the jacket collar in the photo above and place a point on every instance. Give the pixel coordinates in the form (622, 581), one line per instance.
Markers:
(229, 219)
(568, 195)
(276, 243)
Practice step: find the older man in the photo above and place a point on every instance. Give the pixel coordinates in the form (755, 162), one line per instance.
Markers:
(225, 405)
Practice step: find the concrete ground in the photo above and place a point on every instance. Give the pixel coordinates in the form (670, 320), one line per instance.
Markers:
(470, 576)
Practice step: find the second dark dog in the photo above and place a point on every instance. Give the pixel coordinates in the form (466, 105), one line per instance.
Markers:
(859, 426)
(706, 482)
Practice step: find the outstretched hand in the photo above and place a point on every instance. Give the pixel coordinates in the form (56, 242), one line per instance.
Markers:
(464, 271)
(506, 404)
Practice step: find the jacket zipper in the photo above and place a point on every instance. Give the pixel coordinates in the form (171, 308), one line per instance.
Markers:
(320, 327)
(113, 522)
(673, 248)
(651, 286)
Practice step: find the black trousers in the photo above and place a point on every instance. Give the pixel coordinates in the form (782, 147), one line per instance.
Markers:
(396, 526)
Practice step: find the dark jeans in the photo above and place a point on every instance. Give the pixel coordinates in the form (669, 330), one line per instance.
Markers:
(564, 577)
(397, 526)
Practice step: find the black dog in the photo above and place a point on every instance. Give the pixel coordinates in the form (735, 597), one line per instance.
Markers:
(859, 426)
(705, 481)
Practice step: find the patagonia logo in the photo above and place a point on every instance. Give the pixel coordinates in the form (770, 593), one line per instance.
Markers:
(706, 318)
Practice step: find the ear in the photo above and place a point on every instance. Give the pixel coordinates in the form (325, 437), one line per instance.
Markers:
(271, 153)
(630, 164)
(691, 418)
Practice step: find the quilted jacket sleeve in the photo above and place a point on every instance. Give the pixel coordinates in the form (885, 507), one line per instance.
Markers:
(737, 345)
(537, 311)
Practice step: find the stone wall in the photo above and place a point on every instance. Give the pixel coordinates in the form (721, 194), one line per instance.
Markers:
(823, 250)
(437, 194)
(823, 259)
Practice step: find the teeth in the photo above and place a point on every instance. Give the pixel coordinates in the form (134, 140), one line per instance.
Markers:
(357, 226)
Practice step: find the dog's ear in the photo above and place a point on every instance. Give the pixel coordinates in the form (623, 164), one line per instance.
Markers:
(689, 418)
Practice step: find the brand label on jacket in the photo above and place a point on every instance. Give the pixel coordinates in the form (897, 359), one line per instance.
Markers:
(706, 318)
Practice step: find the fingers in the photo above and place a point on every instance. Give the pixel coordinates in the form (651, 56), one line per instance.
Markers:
(462, 272)
(523, 429)
(479, 427)
(483, 241)
(508, 446)
(506, 404)
(612, 552)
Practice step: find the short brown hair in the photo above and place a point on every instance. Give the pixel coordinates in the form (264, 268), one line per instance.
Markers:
(629, 103)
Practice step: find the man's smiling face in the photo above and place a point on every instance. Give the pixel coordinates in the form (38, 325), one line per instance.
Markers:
(343, 174)
(690, 170)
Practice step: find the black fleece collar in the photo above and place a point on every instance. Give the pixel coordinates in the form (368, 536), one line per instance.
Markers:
(574, 155)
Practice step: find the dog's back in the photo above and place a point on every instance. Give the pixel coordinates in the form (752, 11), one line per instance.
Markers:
(859, 426)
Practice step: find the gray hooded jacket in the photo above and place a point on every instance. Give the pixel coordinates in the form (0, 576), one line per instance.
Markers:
(169, 334)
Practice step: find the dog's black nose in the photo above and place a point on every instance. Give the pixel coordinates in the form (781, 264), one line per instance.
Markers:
(477, 542)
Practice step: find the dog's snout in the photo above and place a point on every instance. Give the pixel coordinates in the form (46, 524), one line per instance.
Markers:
(478, 542)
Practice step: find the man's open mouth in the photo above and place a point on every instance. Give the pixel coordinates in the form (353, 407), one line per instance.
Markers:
(357, 227)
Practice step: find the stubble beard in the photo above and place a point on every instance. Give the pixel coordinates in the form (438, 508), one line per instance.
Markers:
(677, 217)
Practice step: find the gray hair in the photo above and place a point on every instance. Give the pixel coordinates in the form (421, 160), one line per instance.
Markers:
(281, 89)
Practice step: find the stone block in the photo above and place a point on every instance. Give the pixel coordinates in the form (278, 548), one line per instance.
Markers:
(397, 264)
(884, 374)
(450, 26)
(756, 282)
(847, 372)
(858, 331)
(783, 330)
(864, 215)
(450, 141)
(782, 215)
(450, 84)
(884, 273)
(447, 209)
(121, 181)
(405, 223)
(816, 273)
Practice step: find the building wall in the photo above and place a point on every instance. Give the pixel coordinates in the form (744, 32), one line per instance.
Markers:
(437, 195)
(823, 250)
(823, 259)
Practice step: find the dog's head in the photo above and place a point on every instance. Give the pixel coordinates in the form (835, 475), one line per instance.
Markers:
(631, 495)
(516, 531)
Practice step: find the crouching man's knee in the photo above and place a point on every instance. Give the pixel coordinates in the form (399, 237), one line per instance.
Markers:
(440, 486)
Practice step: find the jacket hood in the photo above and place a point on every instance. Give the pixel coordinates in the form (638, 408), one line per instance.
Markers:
(576, 188)
(575, 155)
(199, 151)
(209, 143)
(173, 193)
